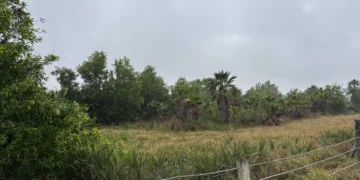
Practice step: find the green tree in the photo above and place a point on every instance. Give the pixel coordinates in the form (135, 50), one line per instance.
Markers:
(154, 92)
(265, 99)
(41, 133)
(94, 74)
(67, 80)
(219, 87)
(354, 91)
(235, 95)
(296, 104)
(313, 93)
(188, 97)
(179, 92)
(335, 98)
(123, 93)
(329, 99)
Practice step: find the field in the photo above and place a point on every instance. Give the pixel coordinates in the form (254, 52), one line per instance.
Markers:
(162, 153)
(152, 139)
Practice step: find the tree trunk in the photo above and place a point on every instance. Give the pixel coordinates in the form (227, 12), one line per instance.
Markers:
(181, 111)
(223, 106)
(272, 120)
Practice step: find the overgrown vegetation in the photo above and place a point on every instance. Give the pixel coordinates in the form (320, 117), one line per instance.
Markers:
(181, 153)
(41, 133)
(46, 134)
(124, 95)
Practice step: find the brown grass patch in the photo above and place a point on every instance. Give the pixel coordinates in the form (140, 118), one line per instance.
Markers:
(153, 140)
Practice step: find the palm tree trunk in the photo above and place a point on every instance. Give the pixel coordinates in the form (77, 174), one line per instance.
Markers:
(223, 106)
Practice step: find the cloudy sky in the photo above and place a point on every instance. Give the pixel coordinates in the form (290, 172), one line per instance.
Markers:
(293, 43)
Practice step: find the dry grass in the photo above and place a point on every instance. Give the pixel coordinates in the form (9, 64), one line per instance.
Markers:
(152, 140)
(152, 151)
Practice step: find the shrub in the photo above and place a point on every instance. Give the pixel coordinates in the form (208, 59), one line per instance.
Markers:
(242, 116)
(41, 133)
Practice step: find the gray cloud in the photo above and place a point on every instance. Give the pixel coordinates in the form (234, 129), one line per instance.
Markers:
(292, 43)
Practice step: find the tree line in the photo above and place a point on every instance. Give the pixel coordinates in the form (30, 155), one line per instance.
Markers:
(49, 134)
(123, 95)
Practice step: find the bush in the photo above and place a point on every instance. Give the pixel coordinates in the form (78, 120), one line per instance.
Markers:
(210, 112)
(242, 116)
(42, 134)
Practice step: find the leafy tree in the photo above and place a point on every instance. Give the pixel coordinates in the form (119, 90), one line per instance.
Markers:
(67, 80)
(313, 94)
(219, 88)
(328, 99)
(336, 98)
(153, 90)
(354, 84)
(189, 97)
(268, 88)
(41, 133)
(235, 96)
(94, 74)
(296, 104)
(354, 91)
(123, 93)
(266, 99)
(179, 92)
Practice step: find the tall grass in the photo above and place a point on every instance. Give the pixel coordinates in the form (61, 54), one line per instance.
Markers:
(121, 162)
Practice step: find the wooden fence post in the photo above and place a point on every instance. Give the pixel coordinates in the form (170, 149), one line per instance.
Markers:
(243, 169)
(357, 140)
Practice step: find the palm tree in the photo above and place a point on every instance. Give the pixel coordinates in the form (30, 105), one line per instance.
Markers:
(353, 85)
(354, 91)
(219, 86)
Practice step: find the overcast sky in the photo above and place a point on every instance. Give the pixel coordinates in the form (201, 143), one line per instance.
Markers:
(293, 43)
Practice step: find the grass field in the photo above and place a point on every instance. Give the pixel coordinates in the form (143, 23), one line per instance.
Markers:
(178, 152)
(153, 139)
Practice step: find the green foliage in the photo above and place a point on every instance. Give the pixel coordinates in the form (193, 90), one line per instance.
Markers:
(219, 87)
(265, 99)
(187, 98)
(209, 111)
(41, 133)
(112, 96)
(154, 92)
(296, 104)
(47, 133)
(94, 74)
(246, 116)
(337, 98)
(354, 91)
(331, 137)
(122, 93)
(67, 79)
(51, 129)
(330, 99)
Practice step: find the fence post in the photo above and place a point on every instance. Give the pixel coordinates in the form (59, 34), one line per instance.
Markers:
(357, 140)
(243, 169)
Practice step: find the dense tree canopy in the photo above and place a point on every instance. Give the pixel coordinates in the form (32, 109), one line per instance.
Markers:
(41, 132)
(122, 95)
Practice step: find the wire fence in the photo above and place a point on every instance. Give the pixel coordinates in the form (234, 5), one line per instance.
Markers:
(343, 169)
(301, 154)
(202, 174)
(282, 159)
(306, 166)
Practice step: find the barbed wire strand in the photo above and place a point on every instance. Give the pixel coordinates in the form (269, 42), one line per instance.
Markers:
(343, 169)
(301, 154)
(281, 159)
(303, 167)
(201, 174)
